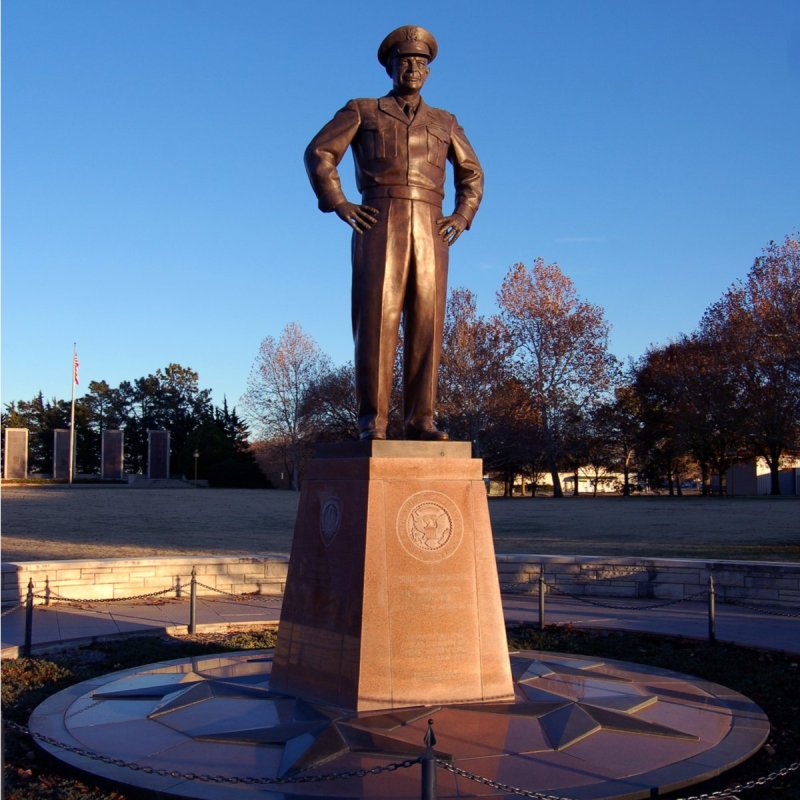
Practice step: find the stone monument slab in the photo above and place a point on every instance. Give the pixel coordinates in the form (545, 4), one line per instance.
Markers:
(112, 456)
(158, 455)
(15, 459)
(392, 597)
(61, 437)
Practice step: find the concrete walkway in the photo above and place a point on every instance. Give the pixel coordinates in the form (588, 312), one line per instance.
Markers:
(60, 625)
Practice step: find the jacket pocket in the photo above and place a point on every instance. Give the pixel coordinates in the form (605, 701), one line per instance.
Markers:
(438, 144)
(379, 142)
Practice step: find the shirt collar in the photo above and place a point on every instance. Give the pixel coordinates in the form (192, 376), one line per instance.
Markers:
(402, 102)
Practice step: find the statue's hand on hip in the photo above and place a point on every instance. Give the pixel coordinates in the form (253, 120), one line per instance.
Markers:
(359, 218)
(450, 228)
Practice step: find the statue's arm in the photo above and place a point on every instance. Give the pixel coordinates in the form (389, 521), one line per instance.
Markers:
(467, 173)
(469, 185)
(322, 158)
(324, 153)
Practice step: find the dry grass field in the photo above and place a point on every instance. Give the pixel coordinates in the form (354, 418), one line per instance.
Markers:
(91, 521)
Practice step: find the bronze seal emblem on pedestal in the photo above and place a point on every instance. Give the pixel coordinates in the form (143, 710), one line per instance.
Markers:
(330, 515)
(429, 526)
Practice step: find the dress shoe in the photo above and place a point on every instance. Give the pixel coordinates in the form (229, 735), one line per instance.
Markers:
(370, 434)
(430, 434)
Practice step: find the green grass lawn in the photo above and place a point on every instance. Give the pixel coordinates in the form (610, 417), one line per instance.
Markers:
(58, 522)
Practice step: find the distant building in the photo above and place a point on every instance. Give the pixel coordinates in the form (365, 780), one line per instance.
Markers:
(590, 482)
(753, 478)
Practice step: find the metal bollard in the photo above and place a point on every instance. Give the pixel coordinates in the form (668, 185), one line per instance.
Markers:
(542, 587)
(428, 788)
(712, 611)
(193, 603)
(26, 648)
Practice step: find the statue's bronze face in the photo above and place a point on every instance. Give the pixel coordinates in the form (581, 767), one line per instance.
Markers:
(409, 73)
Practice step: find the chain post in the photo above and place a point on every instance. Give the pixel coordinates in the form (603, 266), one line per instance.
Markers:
(428, 761)
(542, 587)
(712, 611)
(47, 591)
(26, 648)
(193, 603)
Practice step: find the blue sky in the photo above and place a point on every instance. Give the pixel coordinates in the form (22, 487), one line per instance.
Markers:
(155, 206)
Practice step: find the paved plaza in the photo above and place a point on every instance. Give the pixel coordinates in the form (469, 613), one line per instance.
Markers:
(584, 728)
(70, 624)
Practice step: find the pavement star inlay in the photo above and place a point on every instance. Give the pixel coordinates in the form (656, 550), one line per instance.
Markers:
(585, 717)
(220, 711)
(591, 701)
(568, 702)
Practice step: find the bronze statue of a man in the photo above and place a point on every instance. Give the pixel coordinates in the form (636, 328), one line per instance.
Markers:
(400, 236)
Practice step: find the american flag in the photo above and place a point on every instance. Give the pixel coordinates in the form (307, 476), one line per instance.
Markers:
(75, 368)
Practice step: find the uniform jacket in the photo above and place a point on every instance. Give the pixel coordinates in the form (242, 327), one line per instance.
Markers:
(392, 151)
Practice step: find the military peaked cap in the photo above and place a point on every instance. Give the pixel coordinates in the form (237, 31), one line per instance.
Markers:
(408, 40)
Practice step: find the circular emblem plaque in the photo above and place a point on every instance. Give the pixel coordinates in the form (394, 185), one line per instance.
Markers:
(429, 526)
(330, 515)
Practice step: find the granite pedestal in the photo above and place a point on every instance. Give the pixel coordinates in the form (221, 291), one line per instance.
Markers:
(392, 597)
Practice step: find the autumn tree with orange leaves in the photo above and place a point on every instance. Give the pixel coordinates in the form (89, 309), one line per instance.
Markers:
(559, 349)
(472, 370)
(756, 325)
(688, 393)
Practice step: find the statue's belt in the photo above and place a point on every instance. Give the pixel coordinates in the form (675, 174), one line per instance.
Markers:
(403, 193)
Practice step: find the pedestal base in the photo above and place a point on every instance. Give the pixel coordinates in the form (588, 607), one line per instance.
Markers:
(392, 597)
(580, 727)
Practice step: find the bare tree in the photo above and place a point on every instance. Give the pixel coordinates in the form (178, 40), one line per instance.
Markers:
(280, 380)
(559, 347)
(330, 405)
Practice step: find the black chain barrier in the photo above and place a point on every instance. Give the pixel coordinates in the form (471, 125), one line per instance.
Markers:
(761, 610)
(259, 601)
(622, 606)
(731, 793)
(240, 597)
(627, 607)
(722, 794)
(509, 587)
(503, 787)
(205, 778)
(51, 595)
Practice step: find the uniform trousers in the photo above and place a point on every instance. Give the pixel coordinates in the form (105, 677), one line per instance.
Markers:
(399, 270)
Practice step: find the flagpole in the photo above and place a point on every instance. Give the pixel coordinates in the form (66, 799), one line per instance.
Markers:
(72, 412)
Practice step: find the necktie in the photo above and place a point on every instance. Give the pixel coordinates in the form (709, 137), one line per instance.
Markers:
(408, 110)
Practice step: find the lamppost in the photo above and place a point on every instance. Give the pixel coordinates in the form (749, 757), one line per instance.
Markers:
(196, 455)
